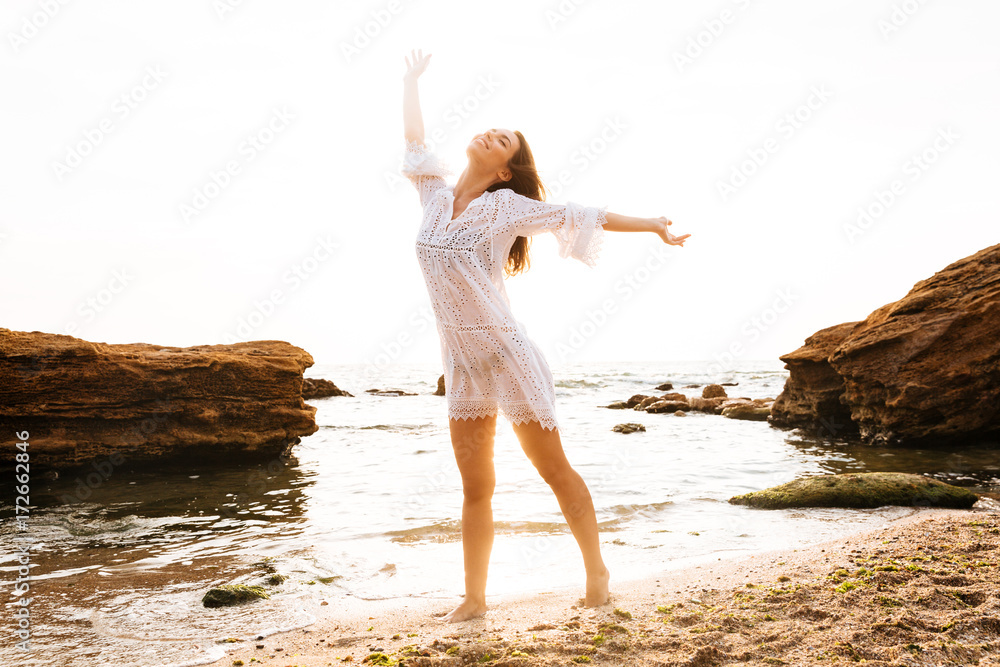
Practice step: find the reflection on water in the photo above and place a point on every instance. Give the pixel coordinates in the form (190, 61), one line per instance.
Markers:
(369, 508)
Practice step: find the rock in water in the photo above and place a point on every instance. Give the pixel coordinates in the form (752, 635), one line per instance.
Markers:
(135, 403)
(630, 427)
(864, 489)
(713, 391)
(747, 412)
(922, 370)
(228, 595)
(320, 388)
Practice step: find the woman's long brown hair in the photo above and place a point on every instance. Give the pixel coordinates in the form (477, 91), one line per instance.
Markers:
(525, 181)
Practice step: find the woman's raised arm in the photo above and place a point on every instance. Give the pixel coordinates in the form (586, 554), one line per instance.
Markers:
(413, 121)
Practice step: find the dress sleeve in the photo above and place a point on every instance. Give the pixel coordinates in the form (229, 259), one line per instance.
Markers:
(579, 230)
(424, 170)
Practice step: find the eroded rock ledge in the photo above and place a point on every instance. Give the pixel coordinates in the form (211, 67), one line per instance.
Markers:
(922, 370)
(81, 401)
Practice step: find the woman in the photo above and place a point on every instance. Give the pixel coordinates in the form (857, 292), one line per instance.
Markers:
(470, 231)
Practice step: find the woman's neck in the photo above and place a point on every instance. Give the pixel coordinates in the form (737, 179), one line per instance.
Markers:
(473, 182)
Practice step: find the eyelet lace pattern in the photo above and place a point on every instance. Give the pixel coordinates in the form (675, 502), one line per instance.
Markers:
(490, 364)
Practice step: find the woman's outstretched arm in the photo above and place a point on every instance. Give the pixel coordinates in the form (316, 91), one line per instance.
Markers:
(627, 223)
(413, 121)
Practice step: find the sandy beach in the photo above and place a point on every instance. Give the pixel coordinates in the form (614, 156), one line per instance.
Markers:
(923, 590)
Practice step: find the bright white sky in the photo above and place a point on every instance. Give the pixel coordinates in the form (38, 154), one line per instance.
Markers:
(310, 240)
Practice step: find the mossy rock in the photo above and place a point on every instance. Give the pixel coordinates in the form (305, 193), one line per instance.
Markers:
(228, 595)
(856, 490)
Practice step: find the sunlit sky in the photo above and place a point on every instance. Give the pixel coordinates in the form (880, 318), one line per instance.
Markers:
(199, 172)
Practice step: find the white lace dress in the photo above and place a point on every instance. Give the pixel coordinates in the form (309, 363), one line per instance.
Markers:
(489, 362)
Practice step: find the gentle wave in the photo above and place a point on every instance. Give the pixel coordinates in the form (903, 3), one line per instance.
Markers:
(396, 427)
(574, 384)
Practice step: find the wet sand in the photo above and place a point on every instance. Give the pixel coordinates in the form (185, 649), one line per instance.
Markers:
(923, 590)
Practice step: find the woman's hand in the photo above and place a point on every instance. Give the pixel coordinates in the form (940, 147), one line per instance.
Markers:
(415, 68)
(667, 237)
(413, 120)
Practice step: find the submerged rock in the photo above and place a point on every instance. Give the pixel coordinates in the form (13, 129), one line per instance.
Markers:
(440, 388)
(228, 595)
(80, 401)
(389, 392)
(630, 427)
(866, 489)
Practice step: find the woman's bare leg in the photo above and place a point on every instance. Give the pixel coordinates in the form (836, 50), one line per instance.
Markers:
(544, 448)
(472, 440)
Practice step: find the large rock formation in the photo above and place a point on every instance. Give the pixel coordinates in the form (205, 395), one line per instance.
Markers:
(136, 403)
(922, 370)
(811, 397)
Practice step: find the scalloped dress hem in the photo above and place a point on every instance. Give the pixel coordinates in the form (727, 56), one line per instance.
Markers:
(516, 412)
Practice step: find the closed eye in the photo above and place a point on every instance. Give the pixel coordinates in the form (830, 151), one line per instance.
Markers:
(503, 139)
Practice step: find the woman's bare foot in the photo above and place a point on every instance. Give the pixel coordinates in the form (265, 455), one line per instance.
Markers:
(597, 589)
(463, 612)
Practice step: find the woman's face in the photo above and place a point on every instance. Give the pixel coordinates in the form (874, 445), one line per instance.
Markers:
(493, 149)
